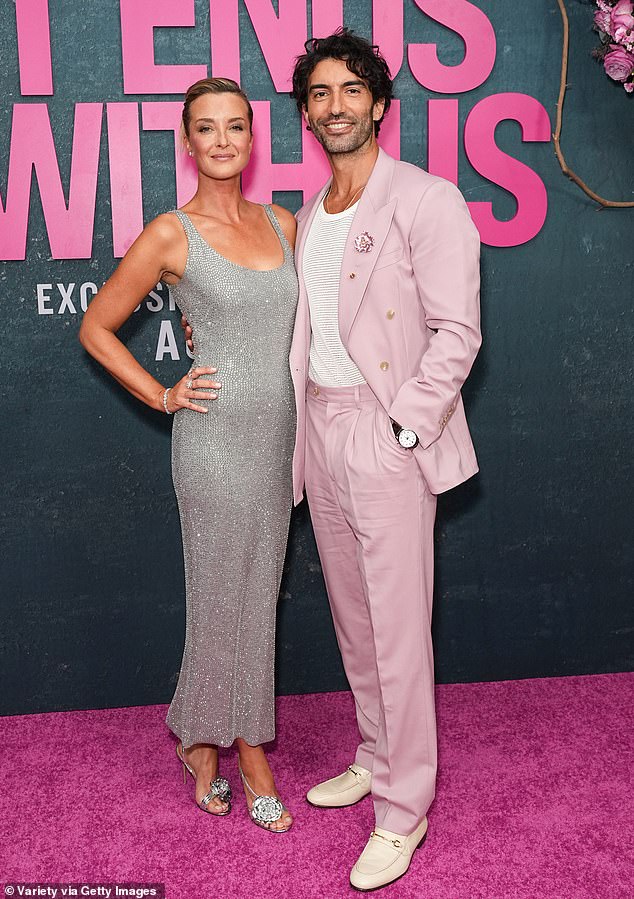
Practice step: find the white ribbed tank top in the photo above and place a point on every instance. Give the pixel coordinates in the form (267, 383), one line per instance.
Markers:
(330, 364)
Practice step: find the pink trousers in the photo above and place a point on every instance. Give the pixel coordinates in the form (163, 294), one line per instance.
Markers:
(373, 518)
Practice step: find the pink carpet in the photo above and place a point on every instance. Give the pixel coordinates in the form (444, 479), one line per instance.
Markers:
(533, 801)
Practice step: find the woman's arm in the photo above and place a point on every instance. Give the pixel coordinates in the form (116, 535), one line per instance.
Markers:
(160, 251)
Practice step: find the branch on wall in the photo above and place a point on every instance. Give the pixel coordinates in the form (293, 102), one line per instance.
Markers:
(560, 109)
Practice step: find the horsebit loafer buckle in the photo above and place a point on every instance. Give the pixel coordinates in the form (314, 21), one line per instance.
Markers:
(396, 843)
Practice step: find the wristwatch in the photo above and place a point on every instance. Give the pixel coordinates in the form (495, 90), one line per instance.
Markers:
(405, 436)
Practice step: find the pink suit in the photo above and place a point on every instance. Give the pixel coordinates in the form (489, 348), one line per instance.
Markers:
(409, 319)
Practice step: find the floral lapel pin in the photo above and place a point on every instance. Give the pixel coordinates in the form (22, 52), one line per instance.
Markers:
(363, 242)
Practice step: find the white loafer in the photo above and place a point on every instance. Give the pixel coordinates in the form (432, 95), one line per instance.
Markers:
(386, 857)
(345, 789)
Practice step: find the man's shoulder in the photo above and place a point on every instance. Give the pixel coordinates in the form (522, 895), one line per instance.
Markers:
(405, 180)
(408, 176)
(417, 189)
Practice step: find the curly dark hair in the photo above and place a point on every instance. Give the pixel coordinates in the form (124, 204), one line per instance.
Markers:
(362, 58)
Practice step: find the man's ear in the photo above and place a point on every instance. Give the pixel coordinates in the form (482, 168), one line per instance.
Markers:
(377, 110)
(305, 116)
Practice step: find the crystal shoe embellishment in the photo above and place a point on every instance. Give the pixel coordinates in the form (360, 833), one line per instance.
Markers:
(266, 809)
(221, 788)
(363, 242)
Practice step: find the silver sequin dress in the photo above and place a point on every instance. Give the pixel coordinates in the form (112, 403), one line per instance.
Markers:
(232, 475)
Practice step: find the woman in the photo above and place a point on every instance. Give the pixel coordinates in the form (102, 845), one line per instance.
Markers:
(229, 264)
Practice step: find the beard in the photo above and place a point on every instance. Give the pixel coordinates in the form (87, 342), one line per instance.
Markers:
(362, 130)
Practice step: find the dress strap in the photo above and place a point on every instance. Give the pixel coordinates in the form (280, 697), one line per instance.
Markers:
(278, 228)
(186, 222)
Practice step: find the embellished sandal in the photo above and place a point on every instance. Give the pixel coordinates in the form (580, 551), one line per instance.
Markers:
(265, 809)
(218, 789)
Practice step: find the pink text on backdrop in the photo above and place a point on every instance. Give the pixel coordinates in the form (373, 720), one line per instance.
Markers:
(281, 38)
(500, 168)
(70, 227)
(491, 162)
(34, 47)
(124, 156)
(141, 75)
(478, 36)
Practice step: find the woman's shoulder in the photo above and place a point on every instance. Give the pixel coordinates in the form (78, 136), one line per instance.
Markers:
(287, 221)
(161, 238)
(284, 216)
(167, 221)
(165, 228)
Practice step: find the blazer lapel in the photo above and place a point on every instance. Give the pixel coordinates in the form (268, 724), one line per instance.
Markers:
(372, 220)
(305, 218)
(300, 345)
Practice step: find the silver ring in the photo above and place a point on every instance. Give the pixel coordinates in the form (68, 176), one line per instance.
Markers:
(189, 383)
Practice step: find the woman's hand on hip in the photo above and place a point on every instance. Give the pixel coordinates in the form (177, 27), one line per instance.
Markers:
(190, 388)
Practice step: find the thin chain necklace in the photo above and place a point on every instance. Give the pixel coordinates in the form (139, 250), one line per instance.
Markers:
(354, 195)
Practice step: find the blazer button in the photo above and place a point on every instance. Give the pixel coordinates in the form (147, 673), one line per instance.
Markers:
(390, 314)
(352, 275)
(384, 366)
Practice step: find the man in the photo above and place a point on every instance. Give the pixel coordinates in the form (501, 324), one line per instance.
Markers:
(386, 332)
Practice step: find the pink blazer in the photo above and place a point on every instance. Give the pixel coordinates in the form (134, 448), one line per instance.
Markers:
(409, 313)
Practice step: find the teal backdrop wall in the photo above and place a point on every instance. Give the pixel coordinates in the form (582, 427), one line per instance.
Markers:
(534, 557)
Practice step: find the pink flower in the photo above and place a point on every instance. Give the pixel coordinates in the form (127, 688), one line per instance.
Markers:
(622, 20)
(629, 87)
(618, 63)
(603, 21)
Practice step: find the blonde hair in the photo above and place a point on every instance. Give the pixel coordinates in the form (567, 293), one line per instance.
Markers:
(212, 86)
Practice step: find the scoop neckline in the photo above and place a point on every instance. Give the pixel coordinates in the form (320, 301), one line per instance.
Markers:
(335, 215)
(245, 268)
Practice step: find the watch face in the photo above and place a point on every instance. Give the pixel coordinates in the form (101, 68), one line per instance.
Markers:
(407, 438)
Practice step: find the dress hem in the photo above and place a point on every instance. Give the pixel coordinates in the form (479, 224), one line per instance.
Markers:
(224, 743)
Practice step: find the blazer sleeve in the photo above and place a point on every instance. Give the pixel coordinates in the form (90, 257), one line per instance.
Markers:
(445, 254)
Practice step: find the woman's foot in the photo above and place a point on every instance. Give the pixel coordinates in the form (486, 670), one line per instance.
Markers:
(203, 761)
(256, 771)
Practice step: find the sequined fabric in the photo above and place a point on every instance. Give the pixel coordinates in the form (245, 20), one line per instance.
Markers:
(232, 475)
